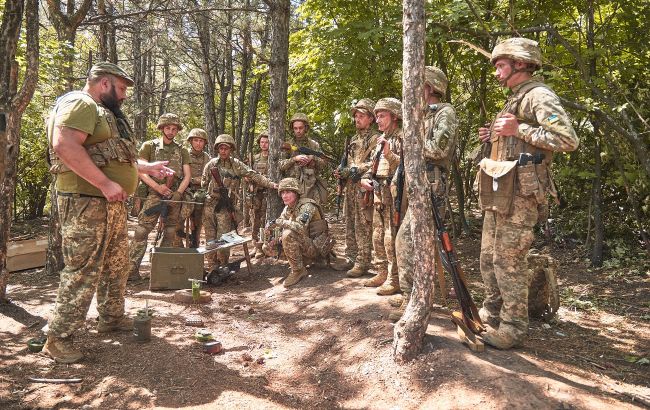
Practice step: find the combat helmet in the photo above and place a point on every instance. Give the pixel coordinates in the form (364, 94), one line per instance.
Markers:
(197, 133)
(364, 106)
(436, 79)
(299, 117)
(169, 119)
(518, 49)
(289, 184)
(392, 105)
(224, 139)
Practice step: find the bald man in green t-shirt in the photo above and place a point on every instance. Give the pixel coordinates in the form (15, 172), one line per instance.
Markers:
(92, 155)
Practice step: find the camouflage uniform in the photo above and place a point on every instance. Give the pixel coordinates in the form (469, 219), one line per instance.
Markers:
(311, 184)
(544, 128)
(93, 230)
(258, 198)
(440, 125)
(384, 230)
(219, 221)
(156, 150)
(305, 234)
(358, 216)
(194, 192)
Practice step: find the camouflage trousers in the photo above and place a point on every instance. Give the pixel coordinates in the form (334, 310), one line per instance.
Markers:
(258, 212)
(95, 253)
(298, 249)
(348, 211)
(193, 212)
(504, 245)
(215, 225)
(383, 233)
(146, 224)
(361, 227)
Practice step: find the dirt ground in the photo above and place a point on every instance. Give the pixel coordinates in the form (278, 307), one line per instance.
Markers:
(327, 343)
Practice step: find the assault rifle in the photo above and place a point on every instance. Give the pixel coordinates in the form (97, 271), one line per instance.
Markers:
(161, 208)
(467, 319)
(224, 198)
(341, 185)
(368, 195)
(306, 151)
(400, 178)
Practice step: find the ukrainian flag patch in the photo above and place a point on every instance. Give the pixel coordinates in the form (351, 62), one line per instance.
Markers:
(552, 118)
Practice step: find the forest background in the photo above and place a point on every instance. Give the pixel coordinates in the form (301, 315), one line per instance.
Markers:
(212, 63)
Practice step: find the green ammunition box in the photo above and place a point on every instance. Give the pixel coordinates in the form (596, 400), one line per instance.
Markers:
(172, 267)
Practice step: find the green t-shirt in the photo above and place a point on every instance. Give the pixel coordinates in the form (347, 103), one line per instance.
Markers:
(156, 150)
(79, 111)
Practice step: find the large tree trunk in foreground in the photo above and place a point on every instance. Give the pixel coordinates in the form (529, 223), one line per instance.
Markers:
(279, 73)
(411, 328)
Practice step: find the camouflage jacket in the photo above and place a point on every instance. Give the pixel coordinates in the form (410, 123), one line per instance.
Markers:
(440, 126)
(305, 218)
(197, 163)
(231, 170)
(288, 166)
(388, 163)
(360, 150)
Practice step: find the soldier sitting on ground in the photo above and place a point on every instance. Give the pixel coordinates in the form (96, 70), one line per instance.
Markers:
(305, 235)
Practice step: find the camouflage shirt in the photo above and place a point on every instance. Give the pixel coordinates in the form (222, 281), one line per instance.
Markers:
(231, 170)
(299, 217)
(288, 166)
(440, 126)
(361, 148)
(388, 163)
(157, 150)
(197, 163)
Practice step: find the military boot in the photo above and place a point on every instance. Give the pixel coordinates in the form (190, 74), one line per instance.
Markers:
(488, 319)
(349, 264)
(357, 271)
(396, 300)
(396, 314)
(376, 280)
(61, 350)
(390, 286)
(294, 277)
(123, 324)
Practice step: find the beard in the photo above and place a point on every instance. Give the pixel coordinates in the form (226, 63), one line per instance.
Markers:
(110, 100)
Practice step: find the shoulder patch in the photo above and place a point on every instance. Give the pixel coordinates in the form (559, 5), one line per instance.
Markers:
(552, 118)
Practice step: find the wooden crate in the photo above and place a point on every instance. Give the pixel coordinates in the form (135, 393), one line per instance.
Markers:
(26, 254)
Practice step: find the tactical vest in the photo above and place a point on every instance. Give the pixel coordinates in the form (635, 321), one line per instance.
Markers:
(317, 229)
(261, 164)
(115, 148)
(175, 158)
(394, 141)
(197, 163)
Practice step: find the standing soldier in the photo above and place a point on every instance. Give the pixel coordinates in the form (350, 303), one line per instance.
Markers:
(172, 188)
(198, 158)
(258, 197)
(305, 168)
(305, 234)
(440, 126)
(388, 111)
(523, 137)
(358, 216)
(220, 214)
(93, 155)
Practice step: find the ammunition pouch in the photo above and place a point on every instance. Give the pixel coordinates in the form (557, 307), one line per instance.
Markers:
(323, 244)
(316, 228)
(496, 184)
(112, 149)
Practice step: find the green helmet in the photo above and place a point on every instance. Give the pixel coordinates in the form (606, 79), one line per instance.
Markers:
(289, 184)
(224, 139)
(169, 119)
(198, 133)
(299, 117)
(392, 105)
(364, 106)
(518, 49)
(436, 79)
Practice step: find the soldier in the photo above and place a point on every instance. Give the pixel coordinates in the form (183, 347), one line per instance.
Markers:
(388, 111)
(305, 234)
(305, 168)
(440, 126)
(163, 148)
(358, 216)
(258, 194)
(93, 155)
(523, 137)
(194, 193)
(217, 218)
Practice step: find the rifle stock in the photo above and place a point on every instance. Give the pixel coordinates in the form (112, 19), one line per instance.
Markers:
(224, 198)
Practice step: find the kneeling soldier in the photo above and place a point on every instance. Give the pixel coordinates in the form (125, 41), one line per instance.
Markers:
(305, 234)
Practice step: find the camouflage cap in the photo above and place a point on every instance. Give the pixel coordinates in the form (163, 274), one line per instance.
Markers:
(224, 139)
(392, 105)
(436, 79)
(518, 49)
(105, 67)
(169, 119)
(197, 133)
(364, 106)
(299, 117)
(289, 184)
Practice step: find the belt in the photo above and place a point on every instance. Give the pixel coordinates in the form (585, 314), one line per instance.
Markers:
(526, 158)
(77, 195)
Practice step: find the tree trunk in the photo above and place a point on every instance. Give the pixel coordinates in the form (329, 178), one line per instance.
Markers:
(279, 73)
(165, 89)
(209, 110)
(411, 328)
(243, 83)
(12, 106)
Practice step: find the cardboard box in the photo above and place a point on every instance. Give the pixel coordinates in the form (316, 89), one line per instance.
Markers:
(172, 267)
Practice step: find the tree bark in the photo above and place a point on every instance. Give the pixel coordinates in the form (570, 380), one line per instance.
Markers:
(12, 106)
(597, 192)
(209, 110)
(411, 328)
(279, 74)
